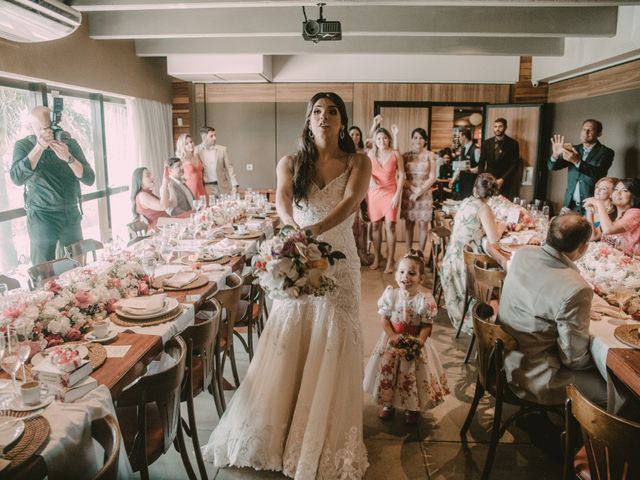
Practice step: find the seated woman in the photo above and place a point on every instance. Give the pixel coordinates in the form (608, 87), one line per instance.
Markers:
(625, 229)
(603, 190)
(144, 201)
(474, 220)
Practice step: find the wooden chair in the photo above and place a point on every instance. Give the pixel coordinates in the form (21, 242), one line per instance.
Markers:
(439, 239)
(11, 283)
(488, 278)
(106, 432)
(469, 257)
(610, 442)
(249, 313)
(137, 228)
(78, 251)
(230, 301)
(42, 272)
(149, 413)
(493, 343)
(202, 364)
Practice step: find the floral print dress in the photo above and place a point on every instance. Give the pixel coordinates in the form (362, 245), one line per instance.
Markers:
(416, 385)
(467, 229)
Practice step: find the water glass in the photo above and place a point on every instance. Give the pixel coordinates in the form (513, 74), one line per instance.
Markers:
(4, 288)
(9, 356)
(636, 251)
(166, 252)
(149, 266)
(545, 211)
(516, 200)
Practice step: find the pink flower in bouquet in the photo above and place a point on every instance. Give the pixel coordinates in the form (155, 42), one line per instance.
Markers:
(14, 312)
(54, 341)
(74, 334)
(52, 286)
(116, 282)
(624, 261)
(111, 305)
(83, 299)
(143, 288)
(604, 252)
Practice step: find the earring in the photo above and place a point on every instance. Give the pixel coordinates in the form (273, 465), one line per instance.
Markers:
(342, 133)
(310, 134)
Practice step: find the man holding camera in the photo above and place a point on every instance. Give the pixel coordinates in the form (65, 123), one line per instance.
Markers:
(51, 167)
(587, 163)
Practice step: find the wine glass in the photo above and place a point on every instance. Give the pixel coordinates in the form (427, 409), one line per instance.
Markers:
(4, 288)
(9, 357)
(636, 252)
(24, 348)
(166, 252)
(149, 266)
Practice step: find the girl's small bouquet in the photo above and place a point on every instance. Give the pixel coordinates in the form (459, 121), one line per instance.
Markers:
(294, 264)
(408, 347)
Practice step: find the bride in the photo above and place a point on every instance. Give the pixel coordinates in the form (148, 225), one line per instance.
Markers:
(299, 408)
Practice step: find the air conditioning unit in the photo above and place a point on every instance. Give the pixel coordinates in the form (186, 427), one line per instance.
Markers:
(37, 20)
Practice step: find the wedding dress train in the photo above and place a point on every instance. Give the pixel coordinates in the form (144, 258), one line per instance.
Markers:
(299, 408)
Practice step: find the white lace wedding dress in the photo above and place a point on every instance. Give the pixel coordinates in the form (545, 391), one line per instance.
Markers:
(299, 408)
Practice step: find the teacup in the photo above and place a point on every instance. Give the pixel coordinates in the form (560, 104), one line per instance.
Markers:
(30, 393)
(241, 229)
(101, 328)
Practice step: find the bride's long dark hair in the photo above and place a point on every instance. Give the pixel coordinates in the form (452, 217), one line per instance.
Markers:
(304, 160)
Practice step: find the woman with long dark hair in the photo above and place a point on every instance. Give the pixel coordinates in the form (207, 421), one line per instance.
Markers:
(146, 203)
(299, 409)
(361, 224)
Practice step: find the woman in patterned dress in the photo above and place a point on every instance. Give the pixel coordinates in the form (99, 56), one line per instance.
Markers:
(473, 220)
(417, 201)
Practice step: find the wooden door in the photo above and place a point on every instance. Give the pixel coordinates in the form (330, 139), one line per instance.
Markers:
(406, 118)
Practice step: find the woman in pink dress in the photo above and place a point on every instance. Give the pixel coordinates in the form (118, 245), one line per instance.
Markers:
(385, 193)
(192, 165)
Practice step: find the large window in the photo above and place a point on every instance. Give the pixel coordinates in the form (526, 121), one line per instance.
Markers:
(99, 125)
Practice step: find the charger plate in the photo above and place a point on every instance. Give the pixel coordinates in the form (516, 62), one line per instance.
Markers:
(200, 281)
(33, 440)
(628, 334)
(127, 322)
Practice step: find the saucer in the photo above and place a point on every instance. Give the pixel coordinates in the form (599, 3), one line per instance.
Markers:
(18, 406)
(110, 336)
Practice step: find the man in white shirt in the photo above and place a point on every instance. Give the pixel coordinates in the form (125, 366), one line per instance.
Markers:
(219, 177)
(180, 197)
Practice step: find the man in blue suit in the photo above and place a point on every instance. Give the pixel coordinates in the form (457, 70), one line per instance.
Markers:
(587, 163)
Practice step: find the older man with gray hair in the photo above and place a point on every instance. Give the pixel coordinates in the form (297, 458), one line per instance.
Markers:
(51, 172)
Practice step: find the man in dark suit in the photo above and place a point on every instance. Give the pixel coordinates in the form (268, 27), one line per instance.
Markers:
(587, 162)
(468, 153)
(500, 156)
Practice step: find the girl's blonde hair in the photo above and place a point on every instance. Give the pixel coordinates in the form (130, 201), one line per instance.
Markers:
(181, 144)
(612, 180)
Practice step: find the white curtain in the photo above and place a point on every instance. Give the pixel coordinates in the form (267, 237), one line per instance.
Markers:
(149, 135)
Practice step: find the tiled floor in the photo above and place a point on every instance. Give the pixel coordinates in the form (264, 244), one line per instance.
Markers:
(433, 449)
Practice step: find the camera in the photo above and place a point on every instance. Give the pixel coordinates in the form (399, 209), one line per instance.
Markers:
(59, 134)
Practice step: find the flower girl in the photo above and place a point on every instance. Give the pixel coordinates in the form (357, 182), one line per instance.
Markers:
(404, 370)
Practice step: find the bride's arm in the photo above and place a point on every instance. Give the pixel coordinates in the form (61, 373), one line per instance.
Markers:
(357, 187)
(284, 190)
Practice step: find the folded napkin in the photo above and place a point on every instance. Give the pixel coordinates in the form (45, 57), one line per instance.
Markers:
(180, 279)
(143, 305)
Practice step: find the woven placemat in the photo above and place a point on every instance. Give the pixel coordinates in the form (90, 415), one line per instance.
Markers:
(127, 322)
(201, 281)
(628, 334)
(33, 440)
(245, 236)
(97, 356)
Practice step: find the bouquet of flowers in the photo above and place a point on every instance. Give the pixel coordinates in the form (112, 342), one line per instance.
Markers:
(609, 270)
(294, 264)
(408, 347)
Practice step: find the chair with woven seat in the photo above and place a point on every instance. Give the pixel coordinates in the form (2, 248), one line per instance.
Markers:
(469, 257)
(106, 432)
(488, 278)
(610, 442)
(78, 251)
(493, 344)
(202, 363)
(149, 413)
(439, 239)
(38, 274)
(229, 299)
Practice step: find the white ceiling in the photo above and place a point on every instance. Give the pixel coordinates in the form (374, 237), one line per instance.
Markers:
(211, 40)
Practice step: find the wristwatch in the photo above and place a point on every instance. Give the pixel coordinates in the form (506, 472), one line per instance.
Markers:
(71, 159)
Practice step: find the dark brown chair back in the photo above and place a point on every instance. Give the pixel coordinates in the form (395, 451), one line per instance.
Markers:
(611, 442)
(201, 342)
(38, 274)
(79, 250)
(11, 283)
(493, 343)
(106, 432)
(137, 229)
(488, 277)
(469, 258)
(163, 389)
(229, 300)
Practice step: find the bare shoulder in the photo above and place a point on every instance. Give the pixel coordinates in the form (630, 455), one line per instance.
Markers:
(286, 163)
(360, 161)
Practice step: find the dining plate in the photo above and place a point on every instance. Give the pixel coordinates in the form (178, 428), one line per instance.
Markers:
(38, 357)
(244, 236)
(110, 336)
(11, 428)
(18, 406)
(169, 304)
(628, 334)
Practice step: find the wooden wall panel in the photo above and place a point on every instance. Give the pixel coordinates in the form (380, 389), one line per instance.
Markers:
(615, 79)
(302, 92)
(240, 92)
(441, 127)
(181, 108)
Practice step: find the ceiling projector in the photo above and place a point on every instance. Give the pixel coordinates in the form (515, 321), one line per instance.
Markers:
(320, 30)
